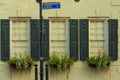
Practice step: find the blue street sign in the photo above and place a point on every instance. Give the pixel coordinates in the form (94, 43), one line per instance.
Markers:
(51, 5)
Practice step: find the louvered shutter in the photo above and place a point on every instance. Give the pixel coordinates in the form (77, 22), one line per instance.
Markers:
(73, 24)
(5, 39)
(84, 39)
(113, 38)
(45, 49)
(34, 39)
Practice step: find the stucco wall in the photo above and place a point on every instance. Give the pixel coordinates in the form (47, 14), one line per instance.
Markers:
(69, 8)
(78, 71)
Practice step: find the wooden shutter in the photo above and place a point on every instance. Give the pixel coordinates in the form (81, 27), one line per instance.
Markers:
(113, 38)
(84, 39)
(5, 40)
(34, 39)
(45, 49)
(34, 31)
(73, 23)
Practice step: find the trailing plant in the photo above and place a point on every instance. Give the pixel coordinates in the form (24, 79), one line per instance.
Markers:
(60, 61)
(21, 62)
(101, 61)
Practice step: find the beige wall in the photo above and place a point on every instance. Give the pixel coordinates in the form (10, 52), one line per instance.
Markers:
(69, 8)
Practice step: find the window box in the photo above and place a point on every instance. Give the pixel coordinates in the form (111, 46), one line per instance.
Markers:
(101, 61)
(21, 62)
(60, 61)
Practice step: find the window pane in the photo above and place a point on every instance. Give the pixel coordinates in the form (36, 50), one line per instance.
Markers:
(58, 37)
(19, 37)
(97, 37)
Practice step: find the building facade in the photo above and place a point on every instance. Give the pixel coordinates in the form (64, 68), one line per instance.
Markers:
(78, 30)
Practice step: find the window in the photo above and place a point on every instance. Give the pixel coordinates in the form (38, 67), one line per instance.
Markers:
(60, 35)
(97, 36)
(19, 38)
(58, 38)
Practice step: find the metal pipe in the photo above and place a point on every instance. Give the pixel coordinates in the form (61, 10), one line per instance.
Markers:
(40, 40)
(36, 72)
(47, 72)
(41, 68)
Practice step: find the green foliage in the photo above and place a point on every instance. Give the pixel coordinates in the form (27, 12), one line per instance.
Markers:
(60, 61)
(21, 62)
(101, 61)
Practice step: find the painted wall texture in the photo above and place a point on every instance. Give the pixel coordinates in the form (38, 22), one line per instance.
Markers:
(73, 10)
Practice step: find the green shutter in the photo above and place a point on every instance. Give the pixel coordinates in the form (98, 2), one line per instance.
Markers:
(5, 39)
(73, 23)
(34, 31)
(34, 39)
(113, 38)
(84, 39)
(45, 49)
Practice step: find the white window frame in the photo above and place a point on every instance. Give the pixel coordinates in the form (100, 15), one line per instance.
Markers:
(106, 34)
(63, 19)
(27, 19)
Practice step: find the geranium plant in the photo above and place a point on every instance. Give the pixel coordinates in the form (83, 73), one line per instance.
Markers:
(101, 61)
(60, 61)
(21, 62)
